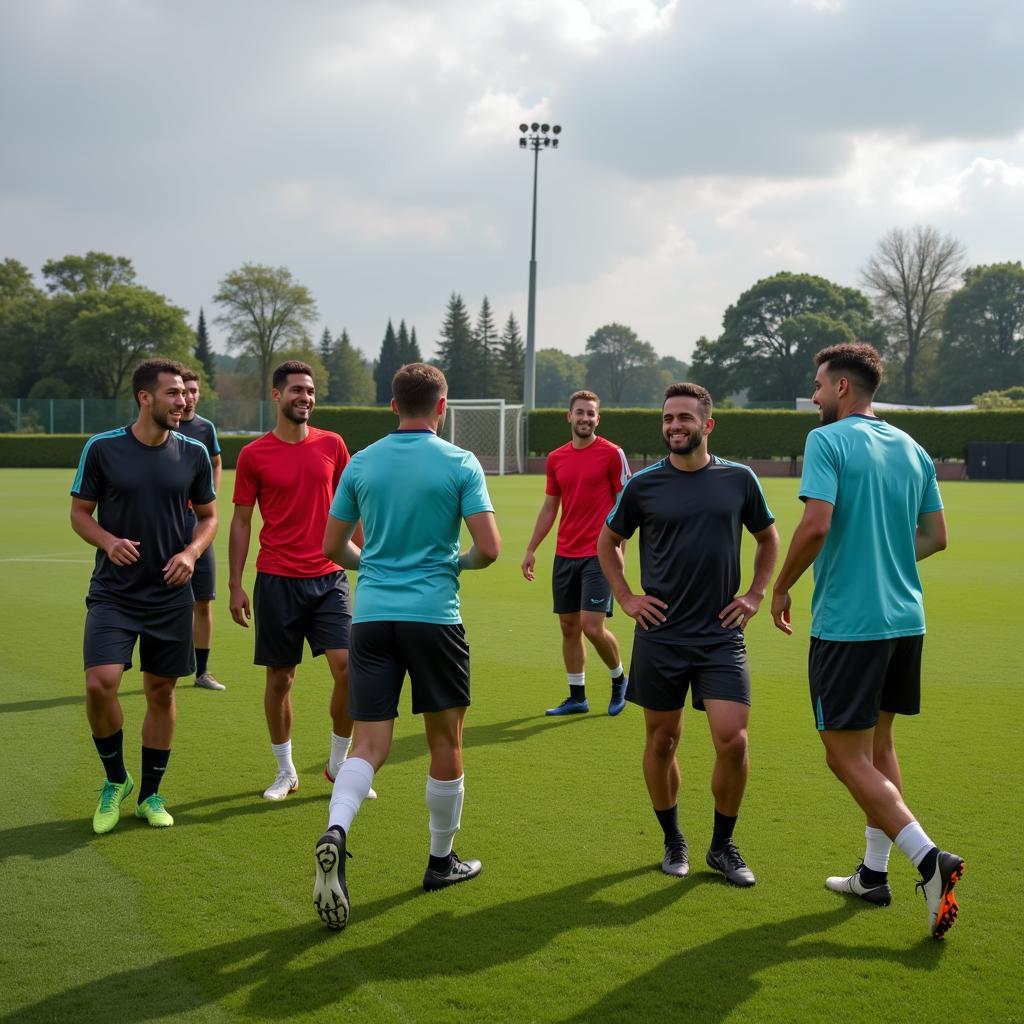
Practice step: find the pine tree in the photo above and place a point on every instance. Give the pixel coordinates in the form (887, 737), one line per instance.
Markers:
(403, 345)
(326, 353)
(203, 351)
(511, 359)
(457, 351)
(414, 348)
(351, 377)
(386, 366)
(486, 336)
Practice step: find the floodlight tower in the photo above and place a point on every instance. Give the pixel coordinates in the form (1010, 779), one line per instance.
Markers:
(536, 137)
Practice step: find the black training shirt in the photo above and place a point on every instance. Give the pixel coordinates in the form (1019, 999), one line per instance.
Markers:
(690, 531)
(201, 429)
(142, 493)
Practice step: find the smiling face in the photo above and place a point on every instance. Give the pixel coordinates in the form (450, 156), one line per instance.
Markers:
(684, 425)
(166, 402)
(296, 397)
(191, 399)
(827, 392)
(583, 417)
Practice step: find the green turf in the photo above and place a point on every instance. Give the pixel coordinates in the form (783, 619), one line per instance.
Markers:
(571, 920)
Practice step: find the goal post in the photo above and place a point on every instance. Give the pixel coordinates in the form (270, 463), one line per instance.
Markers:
(491, 429)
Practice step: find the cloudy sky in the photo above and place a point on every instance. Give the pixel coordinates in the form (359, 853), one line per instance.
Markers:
(371, 147)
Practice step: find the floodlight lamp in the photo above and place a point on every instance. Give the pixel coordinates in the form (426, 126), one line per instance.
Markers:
(534, 126)
(545, 127)
(554, 142)
(524, 128)
(556, 128)
(522, 143)
(547, 142)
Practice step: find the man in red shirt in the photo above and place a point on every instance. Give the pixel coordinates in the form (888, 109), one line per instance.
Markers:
(292, 473)
(584, 477)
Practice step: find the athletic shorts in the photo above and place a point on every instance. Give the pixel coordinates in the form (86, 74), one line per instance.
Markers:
(852, 681)
(435, 656)
(660, 674)
(204, 575)
(290, 609)
(164, 635)
(578, 585)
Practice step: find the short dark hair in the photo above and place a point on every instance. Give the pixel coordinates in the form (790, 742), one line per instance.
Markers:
(146, 375)
(288, 367)
(583, 396)
(688, 390)
(857, 360)
(188, 374)
(417, 388)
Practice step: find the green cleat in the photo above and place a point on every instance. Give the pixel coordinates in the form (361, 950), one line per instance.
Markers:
(153, 810)
(108, 810)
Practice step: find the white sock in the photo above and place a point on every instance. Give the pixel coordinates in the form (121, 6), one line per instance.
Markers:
(576, 678)
(351, 785)
(444, 802)
(339, 751)
(914, 843)
(617, 673)
(876, 853)
(283, 753)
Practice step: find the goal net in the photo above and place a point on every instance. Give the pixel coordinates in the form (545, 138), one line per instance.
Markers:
(491, 429)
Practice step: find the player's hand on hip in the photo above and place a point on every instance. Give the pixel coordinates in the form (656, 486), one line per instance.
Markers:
(123, 551)
(238, 605)
(645, 609)
(739, 611)
(528, 563)
(781, 604)
(178, 570)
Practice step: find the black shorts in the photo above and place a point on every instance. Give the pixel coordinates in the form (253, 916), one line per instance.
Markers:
(660, 674)
(578, 585)
(852, 681)
(290, 609)
(164, 635)
(435, 656)
(204, 575)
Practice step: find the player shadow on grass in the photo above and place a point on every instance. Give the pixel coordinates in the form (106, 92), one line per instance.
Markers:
(283, 976)
(18, 706)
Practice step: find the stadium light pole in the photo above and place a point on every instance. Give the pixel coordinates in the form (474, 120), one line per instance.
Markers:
(534, 137)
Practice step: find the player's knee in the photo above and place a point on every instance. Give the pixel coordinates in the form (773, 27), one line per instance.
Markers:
(100, 686)
(594, 632)
(280, 681)
(571, 630)
(662, 743)
(732, 745)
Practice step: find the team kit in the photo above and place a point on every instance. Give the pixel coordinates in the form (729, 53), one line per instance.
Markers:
(144, 496)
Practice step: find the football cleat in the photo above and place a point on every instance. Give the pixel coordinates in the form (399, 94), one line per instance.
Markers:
(570, 706)
(938, 892)
(728, 861)
(207, 682)
(154, 811)
(330, 893)
(458, 871)
(618, 701)
(108, 810)
(284, 784)
(876, 895)
(677, 858)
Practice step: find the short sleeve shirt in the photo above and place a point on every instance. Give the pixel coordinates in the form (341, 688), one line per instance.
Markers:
(879, 481)
(201, 429)
(412, 490)
(691, 526)
(588, 481)
(142, 493)
(293, 485)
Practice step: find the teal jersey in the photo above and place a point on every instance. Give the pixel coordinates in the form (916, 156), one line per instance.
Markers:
(879, 481)
(412, 491)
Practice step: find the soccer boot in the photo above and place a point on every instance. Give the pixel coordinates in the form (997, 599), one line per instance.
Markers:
(570, 706)
(458, 871)
(677, 858)
(876, 895)
(330, 893)
(207, 682)
(938, 892)
(731, 864)
(108, 810)
(329, 776)
(282, 785)
(154, 811)
(618, 701)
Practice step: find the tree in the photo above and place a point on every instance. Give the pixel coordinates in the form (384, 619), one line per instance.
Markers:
(614, 354)
(95, 271)
(1010, 398)
(387, 365)
(351, 378)
(413, 354)
(265, 310)
(203, 352)
(24, 313)
(325, 351)
(486, 336)
(982, 334)
(457, 351)
(511, 360)
(408, 347)
(558, 376)
(676, 368)
(911, 275)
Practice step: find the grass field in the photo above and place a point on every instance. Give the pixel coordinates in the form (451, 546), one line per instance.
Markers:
(571, 919)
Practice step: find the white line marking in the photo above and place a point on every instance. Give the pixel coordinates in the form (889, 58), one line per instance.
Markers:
(51, 561)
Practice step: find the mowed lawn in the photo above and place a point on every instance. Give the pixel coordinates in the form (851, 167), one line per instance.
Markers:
(571, 919)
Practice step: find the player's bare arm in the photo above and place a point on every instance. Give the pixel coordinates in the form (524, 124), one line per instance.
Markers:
(178, 570)
(808, 539)
(644, 608)
(545, 520)
(740, 610)
(238, 551)
(931, 535)
(218, 464)
(486, 542)
(339, 545)
(120, 550)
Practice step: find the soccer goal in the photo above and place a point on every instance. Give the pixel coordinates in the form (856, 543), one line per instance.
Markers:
(491, 429)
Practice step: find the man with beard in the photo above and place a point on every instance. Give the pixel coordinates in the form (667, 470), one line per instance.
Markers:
(690, 509)
(291, 473)
(584, 476)
(872, 511)
(140, 480)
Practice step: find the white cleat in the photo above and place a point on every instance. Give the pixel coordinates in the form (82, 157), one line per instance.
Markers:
(284, 784)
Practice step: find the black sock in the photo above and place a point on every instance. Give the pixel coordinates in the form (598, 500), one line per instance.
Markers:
(619, 677)
(869, 877)
(202, 657)
(927, 866)
(440, 863)
(669, 821)
(724, 826)
(154, 764)
(111, 751)
(578, 692)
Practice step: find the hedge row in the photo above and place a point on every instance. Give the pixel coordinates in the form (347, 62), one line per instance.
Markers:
(739, 433)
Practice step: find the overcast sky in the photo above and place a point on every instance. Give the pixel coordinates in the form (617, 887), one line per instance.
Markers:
(371, 148)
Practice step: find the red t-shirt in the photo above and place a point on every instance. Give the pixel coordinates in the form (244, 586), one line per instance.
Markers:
(293, 485)
(588, 481)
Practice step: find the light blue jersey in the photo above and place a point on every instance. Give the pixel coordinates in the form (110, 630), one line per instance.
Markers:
(879, 481)
(411, 490)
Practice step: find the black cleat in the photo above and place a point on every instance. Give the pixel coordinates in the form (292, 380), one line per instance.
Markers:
(876, 895)
(731, 864)
(677, 858)
(457, 871)
(330, 893)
